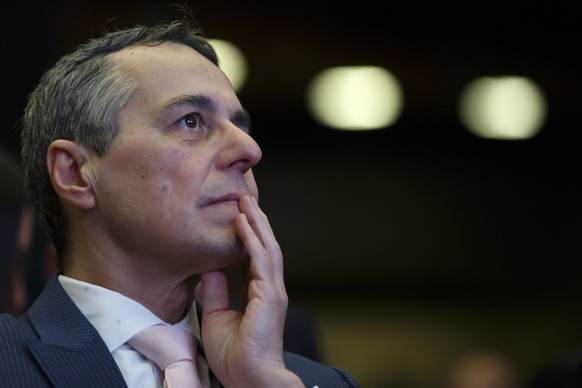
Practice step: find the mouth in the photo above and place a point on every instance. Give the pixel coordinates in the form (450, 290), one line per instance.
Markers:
(231, 198)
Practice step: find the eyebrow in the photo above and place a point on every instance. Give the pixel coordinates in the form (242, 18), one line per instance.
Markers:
(199, 101)
(240, 118)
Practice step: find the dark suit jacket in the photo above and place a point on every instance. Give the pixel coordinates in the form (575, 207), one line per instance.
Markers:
(53, 344)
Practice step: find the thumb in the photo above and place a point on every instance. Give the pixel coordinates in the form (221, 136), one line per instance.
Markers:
(212, 292)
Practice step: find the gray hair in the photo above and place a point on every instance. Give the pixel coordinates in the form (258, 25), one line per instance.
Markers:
(79, 99)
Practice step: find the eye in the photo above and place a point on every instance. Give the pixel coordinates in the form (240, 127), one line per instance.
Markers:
(190, 122)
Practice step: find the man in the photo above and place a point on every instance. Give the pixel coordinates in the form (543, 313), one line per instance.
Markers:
(137, 154)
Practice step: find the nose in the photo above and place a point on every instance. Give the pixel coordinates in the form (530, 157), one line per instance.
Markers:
(240, 151)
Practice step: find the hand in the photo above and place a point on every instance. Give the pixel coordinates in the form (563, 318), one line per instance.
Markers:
(246, 349)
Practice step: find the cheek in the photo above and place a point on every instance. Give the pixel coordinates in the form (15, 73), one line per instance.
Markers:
(152, 179)
(142, 173)
(167, 174)
(177, 179)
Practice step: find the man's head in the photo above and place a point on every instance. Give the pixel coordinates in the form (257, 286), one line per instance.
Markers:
(112, 103)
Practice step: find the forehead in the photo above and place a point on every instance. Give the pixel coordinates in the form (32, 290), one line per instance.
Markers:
(166, 70)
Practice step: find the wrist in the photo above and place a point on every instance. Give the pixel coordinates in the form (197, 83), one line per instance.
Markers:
(283, 378)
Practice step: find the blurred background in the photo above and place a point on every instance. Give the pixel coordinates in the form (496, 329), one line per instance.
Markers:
(418, 242)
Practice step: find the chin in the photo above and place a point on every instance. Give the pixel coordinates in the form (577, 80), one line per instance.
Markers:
(240, 258)
(226, 256)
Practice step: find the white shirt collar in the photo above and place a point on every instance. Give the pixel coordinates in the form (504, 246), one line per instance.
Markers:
(116, 317)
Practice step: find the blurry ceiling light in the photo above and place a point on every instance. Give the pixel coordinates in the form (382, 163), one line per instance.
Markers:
(355, 98)
(232, 62)
(505, 108)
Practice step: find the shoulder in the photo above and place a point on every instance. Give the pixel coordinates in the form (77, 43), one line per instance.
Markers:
(14, 332)
(16, 363)
(14, 329)
(315, 374)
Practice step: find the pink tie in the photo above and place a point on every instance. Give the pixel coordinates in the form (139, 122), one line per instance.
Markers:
(173, 350)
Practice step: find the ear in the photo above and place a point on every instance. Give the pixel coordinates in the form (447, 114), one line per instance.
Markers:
(67, 164)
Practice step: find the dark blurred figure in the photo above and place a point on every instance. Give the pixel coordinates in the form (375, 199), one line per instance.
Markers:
(483, 369)
(300, 333)
(14, 221)
(26, 255)
(560, 373)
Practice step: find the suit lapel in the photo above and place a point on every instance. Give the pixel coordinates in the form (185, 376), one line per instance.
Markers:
(70, 351)
(86, 367)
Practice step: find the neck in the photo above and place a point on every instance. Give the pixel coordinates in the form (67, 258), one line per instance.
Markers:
(168, 297)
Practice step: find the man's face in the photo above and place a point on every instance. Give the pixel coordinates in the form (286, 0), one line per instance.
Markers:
(168, 186)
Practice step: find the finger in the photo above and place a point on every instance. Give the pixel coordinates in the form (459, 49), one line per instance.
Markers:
(260, 264)
(246, 278)
(213, 290)
(266, 278)
(262, 228)
(266, 282)
(198, 292)
(257, 219)
(268, 237)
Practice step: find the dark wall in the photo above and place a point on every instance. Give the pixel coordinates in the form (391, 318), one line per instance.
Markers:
(421, 208)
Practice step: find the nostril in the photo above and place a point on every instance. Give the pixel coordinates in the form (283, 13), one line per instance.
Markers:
(251, 152)
(239, 150)
(245, 164)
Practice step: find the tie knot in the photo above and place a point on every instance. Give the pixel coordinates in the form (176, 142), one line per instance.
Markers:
(165, 345)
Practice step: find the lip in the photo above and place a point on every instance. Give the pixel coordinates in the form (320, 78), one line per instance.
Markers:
(231, 197)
